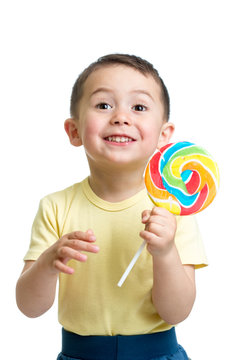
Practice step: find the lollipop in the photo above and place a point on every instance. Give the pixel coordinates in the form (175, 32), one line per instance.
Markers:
(182, 178)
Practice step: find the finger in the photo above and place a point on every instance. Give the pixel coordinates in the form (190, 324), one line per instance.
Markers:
(82, 246)
(145, 216)
(154, 228)
(86, 236)
(149, 237)
(156, 219)
(58, 265)
(157, 210)
(66, 252)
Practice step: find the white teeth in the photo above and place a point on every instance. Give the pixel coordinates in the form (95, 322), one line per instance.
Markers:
(119, 139)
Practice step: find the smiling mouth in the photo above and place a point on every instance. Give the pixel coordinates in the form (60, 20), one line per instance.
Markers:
(119, 139)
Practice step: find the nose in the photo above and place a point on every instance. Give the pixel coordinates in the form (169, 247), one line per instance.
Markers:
(121, 117)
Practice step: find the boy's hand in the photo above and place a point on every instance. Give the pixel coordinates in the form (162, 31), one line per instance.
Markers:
(160, 229)
(69, 247)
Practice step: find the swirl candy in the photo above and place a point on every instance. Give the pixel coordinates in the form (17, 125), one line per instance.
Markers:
(182, 177)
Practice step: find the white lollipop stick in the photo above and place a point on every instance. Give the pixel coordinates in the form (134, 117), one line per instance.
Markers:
(130, 266)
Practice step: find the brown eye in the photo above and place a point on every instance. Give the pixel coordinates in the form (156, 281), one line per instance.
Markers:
(103, 106)
(139, 107)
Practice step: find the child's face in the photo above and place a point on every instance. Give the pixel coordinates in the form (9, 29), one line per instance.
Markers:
(121, 118)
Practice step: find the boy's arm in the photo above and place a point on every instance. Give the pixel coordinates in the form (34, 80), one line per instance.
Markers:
(35, 290)
(36, 286)
(173, 292)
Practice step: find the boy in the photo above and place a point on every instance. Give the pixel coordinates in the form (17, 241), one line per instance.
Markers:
(119, 113)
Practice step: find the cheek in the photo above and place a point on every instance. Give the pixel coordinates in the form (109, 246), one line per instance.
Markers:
(151, 135)
(89, 132)
(151, 132)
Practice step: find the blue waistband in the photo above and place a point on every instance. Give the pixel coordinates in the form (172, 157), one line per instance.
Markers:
(121, 347)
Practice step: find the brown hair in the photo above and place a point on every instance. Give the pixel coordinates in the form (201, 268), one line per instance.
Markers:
(133, 61)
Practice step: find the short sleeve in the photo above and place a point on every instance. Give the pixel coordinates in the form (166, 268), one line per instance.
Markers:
(44, 230)
(189, 242)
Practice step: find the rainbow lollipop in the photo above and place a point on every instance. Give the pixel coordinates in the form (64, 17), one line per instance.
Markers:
(181, 177)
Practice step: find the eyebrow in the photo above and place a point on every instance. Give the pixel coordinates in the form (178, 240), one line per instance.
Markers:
(101, 89)
(143, 92)
(139, 91)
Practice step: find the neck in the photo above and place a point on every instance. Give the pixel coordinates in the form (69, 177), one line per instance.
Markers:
(116, 186)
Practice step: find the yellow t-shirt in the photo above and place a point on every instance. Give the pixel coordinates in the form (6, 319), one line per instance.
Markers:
(90, 302)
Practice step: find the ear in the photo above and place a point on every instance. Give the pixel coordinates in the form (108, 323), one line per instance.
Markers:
(166, 133)
(71, 128)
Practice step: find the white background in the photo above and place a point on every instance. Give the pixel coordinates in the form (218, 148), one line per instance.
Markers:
(44, 46)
